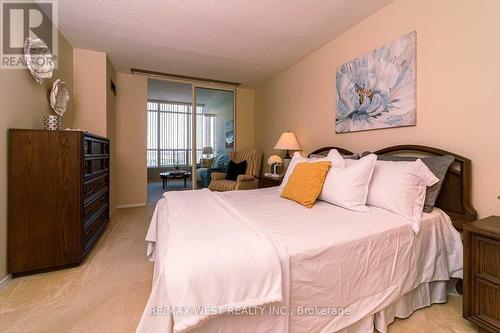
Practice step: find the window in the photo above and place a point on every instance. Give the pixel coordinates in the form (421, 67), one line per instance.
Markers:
(169, 133)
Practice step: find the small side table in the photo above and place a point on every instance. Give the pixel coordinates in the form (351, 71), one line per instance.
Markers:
(265, 181)
(174, 175)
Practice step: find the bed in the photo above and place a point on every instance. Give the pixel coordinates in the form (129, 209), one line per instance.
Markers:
(250, 261)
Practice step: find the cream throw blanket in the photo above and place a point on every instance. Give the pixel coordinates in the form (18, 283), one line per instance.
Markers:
(209, 258)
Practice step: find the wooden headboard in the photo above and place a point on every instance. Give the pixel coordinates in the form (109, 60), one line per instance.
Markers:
(324, 151)
(455, 195)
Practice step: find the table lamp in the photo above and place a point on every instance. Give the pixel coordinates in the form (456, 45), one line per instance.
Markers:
(287, 141)
(207, 151)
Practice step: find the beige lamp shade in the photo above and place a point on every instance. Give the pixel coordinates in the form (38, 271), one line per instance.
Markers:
(287, 141)
(207, 150)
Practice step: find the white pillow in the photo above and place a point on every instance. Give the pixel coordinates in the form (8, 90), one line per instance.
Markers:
(347, 185)
(336, 159)
(400, 187)
(297, 158)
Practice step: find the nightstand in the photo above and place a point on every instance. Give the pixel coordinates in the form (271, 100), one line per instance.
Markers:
(482, 273)
(269, 181)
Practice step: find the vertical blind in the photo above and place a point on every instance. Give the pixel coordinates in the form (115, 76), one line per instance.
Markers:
(169, 133)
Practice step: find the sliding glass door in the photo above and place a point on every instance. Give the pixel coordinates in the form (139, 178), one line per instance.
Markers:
(180, 141)
(214, 132)
(169, 124)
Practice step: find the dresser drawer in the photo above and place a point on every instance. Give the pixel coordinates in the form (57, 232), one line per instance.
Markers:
(94, 227)
(91, 209)
(94, 167)
(93, 187)
(99, 164)
(94, 147)
(488, 252)
(87, 146)
(99, 148)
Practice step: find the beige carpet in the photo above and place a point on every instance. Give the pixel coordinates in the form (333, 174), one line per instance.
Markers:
(108, 292)
(156, 190)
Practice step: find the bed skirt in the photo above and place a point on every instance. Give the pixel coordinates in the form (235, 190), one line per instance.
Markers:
(424, 295)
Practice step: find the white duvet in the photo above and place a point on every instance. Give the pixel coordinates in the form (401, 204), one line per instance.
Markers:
(210, 258)
(338, 259)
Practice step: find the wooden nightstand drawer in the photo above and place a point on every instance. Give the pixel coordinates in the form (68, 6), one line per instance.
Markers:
(482, 273)
(488, 252)
(488, 309)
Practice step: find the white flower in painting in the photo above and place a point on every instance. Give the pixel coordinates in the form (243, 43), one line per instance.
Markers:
(377, 90)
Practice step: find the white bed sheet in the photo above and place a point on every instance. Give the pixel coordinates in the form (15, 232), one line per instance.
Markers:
(343, 259)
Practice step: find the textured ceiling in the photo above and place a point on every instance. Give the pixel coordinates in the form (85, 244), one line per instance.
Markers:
(246, 41)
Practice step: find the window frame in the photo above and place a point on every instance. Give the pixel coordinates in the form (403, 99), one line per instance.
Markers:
(189, 128)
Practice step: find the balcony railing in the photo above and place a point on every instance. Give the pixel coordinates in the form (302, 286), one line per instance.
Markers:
(171, 157)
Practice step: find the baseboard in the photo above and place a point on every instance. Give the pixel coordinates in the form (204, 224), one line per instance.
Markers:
(5, 281)
(130, 206)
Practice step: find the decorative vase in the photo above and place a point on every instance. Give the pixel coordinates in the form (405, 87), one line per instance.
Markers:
(52, 122)
(274, 168)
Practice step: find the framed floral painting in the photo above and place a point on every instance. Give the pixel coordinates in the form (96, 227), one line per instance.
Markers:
(377, 90)
(230, 134)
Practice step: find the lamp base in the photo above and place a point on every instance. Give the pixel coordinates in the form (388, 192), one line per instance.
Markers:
(286, 162)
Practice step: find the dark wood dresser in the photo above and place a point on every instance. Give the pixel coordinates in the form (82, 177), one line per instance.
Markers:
(482, 273)
(58, 198)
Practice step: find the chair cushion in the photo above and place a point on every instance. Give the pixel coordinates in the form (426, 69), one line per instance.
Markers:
(220, 161)
(235, 169)
(222, 185)
(199, 172)
(306, 182)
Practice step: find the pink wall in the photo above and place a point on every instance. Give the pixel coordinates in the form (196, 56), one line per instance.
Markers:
(458, 81)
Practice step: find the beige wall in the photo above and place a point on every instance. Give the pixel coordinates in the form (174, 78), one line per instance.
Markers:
(94, 103)
(23, 102)
(89, 80)
(245, 119)
(458, 75)
(130, 146)
(111, 129)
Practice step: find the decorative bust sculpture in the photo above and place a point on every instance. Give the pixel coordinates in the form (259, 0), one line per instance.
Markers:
(38, 59)
(59, 97)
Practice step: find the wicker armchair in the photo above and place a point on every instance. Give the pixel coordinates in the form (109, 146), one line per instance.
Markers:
(248, 181)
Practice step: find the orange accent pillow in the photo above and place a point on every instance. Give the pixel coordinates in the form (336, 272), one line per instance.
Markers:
(306, 182)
